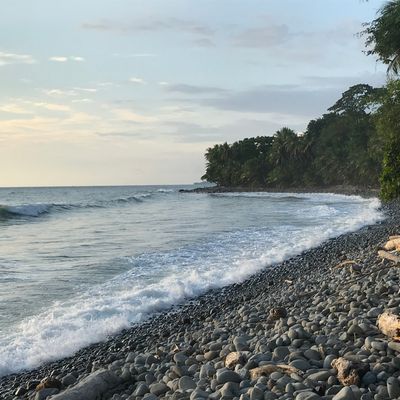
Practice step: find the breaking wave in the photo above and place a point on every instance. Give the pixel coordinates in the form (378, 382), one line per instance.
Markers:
(155, 281)
(40, 209)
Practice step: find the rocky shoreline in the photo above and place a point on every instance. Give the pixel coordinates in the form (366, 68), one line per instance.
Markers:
(275, 336)
(341, 189)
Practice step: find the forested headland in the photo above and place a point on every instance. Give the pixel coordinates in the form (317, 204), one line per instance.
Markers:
(357, 142)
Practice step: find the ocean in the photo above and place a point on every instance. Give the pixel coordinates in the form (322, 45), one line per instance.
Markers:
(78, 264)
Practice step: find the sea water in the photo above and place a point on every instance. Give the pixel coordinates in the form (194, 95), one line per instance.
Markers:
(79, 264)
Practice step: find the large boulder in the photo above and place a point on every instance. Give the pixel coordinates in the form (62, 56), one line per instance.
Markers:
(91, 387)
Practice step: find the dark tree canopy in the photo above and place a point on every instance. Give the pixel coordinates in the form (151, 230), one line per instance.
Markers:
(355, 100)
(338, 148)
(383, 36)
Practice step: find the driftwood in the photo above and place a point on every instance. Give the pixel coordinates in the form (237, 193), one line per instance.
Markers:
(392, 244)
(349, 372)
(389, 324)
(268, 369)
(344, 264)
(389, 256)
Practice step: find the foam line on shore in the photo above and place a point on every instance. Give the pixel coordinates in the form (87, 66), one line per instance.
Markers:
(65, 327)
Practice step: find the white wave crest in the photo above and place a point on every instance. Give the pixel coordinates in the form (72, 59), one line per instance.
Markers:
(29, 210)
(172, 277)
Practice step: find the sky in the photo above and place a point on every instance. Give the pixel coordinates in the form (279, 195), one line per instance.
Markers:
(119, 92)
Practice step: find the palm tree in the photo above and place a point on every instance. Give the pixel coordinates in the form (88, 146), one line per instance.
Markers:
(383, 34)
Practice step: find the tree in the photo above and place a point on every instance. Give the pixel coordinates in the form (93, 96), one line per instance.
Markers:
(383, 35)
(388, 125)
(358, 99)
(286, 157)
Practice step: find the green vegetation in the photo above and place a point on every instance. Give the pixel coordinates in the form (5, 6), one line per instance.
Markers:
(383, 35)
(388, 127)
(357, 142)
(338, 148)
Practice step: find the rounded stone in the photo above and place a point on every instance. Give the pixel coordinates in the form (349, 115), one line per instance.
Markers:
(369, 378)
(319, 376)
(186, 383)
(158, 388)
(280, 353)
(312, 354)
(141, 389)
(224, 376)
(344, 394)
(393, 387)
(307, 395)
(300, 364)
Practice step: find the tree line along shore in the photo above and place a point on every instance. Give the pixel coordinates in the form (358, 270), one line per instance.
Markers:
(357, 142)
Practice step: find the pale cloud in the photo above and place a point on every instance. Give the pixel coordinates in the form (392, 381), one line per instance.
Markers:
(286, 44)
(201, 34)
(194, 89)
(137, 80)
(163, 83)
(182, 110)
(79, 117)
(21, 106)
(13, 108)
(126, 115)
(52, 107)
(204, 42)
(20, 128)
(11, 58)
(343, 82)
(265, 36)
(63, 59)
(279, 99)
(105, 84)
(71, 125)
(166, 24)
(134, 55)
(82, 100)
(58, 59)
(82, 89)
(59, 92)
(307, 101)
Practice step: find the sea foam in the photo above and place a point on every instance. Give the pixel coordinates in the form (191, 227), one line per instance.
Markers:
(160, 279)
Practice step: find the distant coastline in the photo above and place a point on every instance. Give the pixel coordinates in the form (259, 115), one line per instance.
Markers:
(339, 189)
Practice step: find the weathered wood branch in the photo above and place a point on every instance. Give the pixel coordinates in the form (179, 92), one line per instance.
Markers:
(344, 264)
(268, 369)
(392, 244)
(389, 256)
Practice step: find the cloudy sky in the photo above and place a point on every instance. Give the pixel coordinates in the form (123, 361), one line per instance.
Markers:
(133, 91)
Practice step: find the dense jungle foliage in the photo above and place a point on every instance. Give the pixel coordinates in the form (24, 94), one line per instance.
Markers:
(357, 142)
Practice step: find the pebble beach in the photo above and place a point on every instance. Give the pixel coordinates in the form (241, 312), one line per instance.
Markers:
(278, 335)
